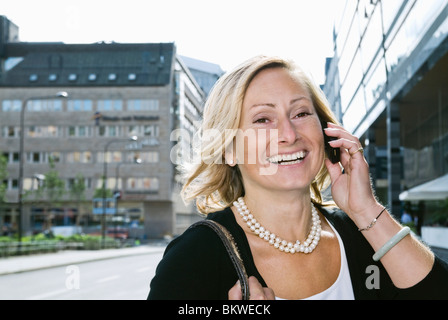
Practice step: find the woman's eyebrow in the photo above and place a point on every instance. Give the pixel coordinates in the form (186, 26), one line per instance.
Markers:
(273, 105)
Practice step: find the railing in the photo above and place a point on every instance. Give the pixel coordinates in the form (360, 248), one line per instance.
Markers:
(8, 249)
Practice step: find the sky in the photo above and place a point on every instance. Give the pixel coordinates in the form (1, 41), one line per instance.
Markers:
(221, 32)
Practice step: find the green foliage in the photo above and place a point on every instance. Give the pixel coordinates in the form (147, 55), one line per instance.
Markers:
(440, 217)
(99, 193)
(3, 176)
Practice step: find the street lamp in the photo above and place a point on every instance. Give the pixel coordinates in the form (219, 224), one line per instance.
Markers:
(59, 95)
(103, 219)
(116, 191)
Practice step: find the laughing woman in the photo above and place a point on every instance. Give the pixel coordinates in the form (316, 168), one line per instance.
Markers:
(290, 239)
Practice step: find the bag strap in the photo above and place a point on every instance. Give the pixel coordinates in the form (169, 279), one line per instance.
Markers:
(232, 249)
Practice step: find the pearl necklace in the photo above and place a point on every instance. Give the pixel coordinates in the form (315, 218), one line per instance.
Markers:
(284, 246)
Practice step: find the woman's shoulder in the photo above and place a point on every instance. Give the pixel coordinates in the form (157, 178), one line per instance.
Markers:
(336, 216)
(190, 266)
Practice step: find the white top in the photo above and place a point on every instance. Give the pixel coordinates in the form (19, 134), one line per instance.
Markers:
(342, 288)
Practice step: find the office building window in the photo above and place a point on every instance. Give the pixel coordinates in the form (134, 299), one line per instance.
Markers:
(110, 105)
(109, 131)
(143, 105)
(79, 157)
(79, 131)
(43, 132)
(145, 157)
(79, 105)
(143, 184)
(50, 105)
(151, 130)
(11, 105)
(10, 132)
(111, 156)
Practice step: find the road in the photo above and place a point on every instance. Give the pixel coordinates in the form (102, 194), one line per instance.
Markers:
(124, 278)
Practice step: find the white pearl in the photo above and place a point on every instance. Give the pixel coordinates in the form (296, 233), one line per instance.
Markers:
(288, 247)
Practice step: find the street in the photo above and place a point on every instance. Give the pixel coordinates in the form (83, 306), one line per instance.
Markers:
(124, 278)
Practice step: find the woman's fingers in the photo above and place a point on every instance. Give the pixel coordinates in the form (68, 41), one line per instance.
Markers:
(257, 292)
(235, 292)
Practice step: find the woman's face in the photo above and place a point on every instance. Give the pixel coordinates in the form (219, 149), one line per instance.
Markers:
(287, 151)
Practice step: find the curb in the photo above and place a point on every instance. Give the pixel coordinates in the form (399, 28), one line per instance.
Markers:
(68, 257)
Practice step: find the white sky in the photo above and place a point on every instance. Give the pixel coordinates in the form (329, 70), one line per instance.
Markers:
(225, 32)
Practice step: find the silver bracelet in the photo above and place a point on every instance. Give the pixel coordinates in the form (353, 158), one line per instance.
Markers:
(370, 226)
(391, 243)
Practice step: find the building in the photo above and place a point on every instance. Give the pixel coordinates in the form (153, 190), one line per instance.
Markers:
(205, 73)
(388, 84)
(115, 92)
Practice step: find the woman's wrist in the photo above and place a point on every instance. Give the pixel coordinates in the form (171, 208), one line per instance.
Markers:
(368, 218)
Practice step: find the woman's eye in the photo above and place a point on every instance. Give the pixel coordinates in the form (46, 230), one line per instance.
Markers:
(262, 120)
(302, 114)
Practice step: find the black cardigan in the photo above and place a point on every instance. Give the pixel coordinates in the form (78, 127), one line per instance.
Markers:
(196, 265)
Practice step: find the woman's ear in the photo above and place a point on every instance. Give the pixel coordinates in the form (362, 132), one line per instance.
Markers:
(230, 160)
(229, 156)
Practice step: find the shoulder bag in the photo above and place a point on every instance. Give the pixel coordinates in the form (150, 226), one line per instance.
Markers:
(232, 249)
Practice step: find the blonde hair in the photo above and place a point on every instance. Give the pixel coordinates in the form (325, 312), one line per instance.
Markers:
(211, 182)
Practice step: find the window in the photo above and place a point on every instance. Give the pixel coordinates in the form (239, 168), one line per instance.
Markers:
(11, 105)
(151, 130)
(15, 157)
(55, 156)
(143, 105)
(147, 184)
(79, 157)
(145, 157)
(79, 105)
(33, 78)
(52, 77)
(10, 132)
(110, 105)
(43, 131)
(112, 77)
(92, 77)
(34, 157)
(44, 105)
(111, 156)
(78, 131)
(132, 77)
(109, 131)
(72, 77)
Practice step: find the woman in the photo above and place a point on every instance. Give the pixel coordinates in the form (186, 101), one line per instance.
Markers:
(291, 241)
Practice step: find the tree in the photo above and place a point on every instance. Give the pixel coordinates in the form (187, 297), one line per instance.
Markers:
(52, 191)
(77, 190)
(3, 176)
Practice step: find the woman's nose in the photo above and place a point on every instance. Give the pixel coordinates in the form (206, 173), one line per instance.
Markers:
(287, 133)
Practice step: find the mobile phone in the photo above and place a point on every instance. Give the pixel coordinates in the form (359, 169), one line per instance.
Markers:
(334, 154)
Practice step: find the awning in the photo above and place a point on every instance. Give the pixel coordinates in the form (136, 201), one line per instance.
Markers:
(433, 190)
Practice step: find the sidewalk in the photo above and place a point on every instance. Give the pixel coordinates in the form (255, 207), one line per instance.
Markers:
(67, 257)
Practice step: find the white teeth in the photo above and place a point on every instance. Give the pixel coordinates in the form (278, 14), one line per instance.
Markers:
(296, 157)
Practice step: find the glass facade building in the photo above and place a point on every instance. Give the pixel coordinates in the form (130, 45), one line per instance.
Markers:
(387, 83)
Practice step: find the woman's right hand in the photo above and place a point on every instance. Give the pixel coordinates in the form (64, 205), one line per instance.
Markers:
(257, 292)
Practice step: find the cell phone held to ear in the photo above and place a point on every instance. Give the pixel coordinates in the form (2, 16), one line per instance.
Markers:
(334, 154)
